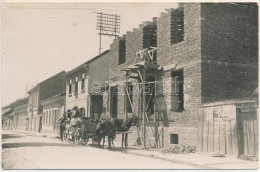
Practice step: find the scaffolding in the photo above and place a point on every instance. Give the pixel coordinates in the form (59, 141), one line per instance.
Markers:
(144, 70)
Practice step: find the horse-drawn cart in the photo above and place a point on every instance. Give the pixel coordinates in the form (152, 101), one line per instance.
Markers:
(82, 132)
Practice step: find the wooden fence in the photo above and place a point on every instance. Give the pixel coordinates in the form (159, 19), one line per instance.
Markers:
(228, 128)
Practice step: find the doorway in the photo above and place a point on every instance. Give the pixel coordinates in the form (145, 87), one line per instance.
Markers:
(96, 106)
(247, 133)
(113, 100)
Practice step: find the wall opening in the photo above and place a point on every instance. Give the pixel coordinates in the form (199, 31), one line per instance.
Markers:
(177, 26)
(174, 139)
(122, 51)
(96, 106)
(177, 91)
(113, 100)
(128, 102)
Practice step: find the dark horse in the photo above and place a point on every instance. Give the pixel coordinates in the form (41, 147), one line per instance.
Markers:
(113, 125)
(123, 126)
(104, 129)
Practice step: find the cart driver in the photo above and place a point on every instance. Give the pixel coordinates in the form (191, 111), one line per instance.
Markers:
(103, 119)
(104, 116)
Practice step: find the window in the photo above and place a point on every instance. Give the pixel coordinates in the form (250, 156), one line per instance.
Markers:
(174, 139)
(46, 118)
(49, 122)
(36, 98)
(76, 86)
(70, 88)
(122, 52)
(177, 26)
(43, 118)
(52, 117)
(177, 95)
(83, 85)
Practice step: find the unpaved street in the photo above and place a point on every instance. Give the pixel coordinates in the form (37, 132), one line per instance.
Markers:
(29, 152)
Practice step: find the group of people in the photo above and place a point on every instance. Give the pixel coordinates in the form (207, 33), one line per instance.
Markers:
(73, 118)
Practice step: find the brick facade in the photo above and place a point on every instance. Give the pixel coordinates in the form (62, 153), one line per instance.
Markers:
(229, 48)
(215, 45)
(186, 55)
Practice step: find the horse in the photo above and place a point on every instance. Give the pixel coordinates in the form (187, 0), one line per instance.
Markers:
(113, 125)
(123, 125)
(104, 129)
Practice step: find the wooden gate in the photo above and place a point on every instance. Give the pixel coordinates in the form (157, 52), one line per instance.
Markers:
(218, 129)
(247, 132)
(229, 128)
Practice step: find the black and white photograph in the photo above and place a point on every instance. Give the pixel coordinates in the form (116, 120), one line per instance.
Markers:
(129, 85)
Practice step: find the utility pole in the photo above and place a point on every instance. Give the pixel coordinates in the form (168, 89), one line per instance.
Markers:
(107, 25)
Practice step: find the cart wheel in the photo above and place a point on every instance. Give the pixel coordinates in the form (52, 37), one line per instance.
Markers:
(78, 136)
(66, 135)
(86, 139)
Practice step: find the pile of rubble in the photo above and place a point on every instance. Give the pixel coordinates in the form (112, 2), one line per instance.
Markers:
(179, 149)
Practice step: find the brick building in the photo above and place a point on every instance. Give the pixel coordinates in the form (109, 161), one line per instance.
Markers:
(46, 89)
(197, 53)
(85, 85)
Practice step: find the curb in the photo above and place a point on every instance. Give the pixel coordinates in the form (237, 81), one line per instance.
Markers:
(172, 160)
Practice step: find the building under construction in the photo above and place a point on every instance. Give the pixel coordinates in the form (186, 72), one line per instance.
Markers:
(166, 70)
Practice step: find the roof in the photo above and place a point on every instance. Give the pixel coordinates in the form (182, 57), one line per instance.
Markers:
(16, 103)
(6, 111)
(230, 102)
(61, 94)
(86, 63)
(46, 80)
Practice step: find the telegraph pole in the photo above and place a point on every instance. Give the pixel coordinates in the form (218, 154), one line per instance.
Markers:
(107, 25)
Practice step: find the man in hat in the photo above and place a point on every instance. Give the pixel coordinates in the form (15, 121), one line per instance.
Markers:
(75, 112)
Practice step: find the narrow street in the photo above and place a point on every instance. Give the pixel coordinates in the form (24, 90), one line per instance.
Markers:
(21, 151)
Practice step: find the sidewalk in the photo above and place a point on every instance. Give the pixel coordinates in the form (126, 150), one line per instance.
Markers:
(198, 160)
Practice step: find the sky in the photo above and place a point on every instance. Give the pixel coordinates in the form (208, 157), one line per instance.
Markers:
(39, 40)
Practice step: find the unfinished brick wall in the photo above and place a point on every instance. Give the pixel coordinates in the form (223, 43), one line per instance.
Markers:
(186, 55)
(229, 48)
(185, 51)
(222, 81)
(229, 32)
(138, 39)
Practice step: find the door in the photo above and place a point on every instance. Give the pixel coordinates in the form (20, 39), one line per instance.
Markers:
(114, 99)
(97, 105)
(247, 133)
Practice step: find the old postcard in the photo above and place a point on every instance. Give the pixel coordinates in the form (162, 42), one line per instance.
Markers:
(95, 85)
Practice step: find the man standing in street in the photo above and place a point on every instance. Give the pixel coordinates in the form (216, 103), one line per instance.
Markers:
(62, 125)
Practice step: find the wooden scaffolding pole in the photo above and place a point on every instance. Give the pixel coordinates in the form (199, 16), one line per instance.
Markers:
(156, 120)
(144, 109)
(126, 92)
